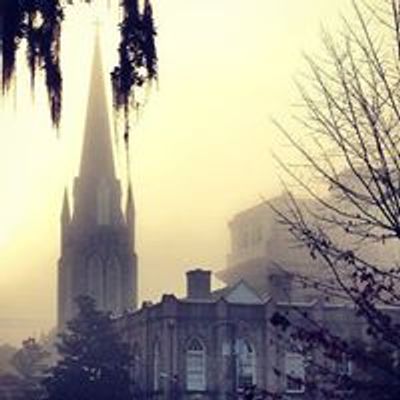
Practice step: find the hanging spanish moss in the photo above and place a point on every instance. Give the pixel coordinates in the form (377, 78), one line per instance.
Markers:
(38, 22)
(137, 58)
(11, 30)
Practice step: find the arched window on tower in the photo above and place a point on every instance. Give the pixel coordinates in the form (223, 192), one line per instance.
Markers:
(103, 203)
(157, 366)
(95, 276)
(195, 366)
(113, 286)
(246, 364)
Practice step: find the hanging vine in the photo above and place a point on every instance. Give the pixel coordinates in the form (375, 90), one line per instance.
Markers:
(39, 22)
(137, 58)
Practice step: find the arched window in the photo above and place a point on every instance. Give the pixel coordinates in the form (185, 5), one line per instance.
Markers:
(157, 366)
(103, 204)
(246, 364)
(195, 366)
(113, 286)
(96, 280)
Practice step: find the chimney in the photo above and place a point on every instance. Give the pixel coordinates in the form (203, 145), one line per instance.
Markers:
(198, 284)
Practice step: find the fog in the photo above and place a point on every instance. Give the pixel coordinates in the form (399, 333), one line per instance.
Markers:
(200, 149)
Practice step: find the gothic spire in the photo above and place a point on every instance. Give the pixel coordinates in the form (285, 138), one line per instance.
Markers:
(97, 155)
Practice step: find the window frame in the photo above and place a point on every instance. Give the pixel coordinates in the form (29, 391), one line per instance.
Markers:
(195, 355)
(247, 344)
(295, 355)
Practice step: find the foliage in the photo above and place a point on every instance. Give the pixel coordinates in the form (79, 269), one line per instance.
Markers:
(28, 360)
(137, 57)
(94, 362)
(39, 23)
(348, 163)
(339, 367)
(253, 393)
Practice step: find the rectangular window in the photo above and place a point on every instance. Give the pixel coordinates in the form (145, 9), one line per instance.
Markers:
(195, 370)
(246, 371)
(295, 372)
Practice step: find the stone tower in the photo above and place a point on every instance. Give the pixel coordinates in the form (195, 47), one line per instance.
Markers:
(97, 236)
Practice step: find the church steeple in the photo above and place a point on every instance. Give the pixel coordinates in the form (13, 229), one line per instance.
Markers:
(97, 255)
(97, 155)
(97, 190)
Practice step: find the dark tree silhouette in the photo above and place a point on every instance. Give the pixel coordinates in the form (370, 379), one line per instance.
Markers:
(39, 23)
(29, 359)
(137, 57)
(94, 362)
(348, 149)
(336, 367)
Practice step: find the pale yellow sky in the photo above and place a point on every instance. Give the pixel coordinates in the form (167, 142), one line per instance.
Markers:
(201, 150)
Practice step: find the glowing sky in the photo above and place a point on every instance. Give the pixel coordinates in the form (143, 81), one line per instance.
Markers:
(201, 150)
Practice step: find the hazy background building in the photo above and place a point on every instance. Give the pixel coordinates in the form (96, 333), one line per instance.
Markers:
(264, 252)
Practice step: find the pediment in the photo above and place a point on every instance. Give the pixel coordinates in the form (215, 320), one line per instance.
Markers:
(242, 293)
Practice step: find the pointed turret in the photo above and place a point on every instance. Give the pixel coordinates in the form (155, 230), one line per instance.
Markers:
(130, 216)
(65, 218)
(97, 155)
(65, 213)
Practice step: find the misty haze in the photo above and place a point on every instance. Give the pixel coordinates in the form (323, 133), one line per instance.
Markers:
(200, 200)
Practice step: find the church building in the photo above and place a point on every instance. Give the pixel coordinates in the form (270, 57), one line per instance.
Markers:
(97, 236)
(211, 344)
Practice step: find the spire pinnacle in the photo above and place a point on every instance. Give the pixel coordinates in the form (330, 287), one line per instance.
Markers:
(66, 214)
(97, 155)
(130, 205)
(129, 200)
(130, 215)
